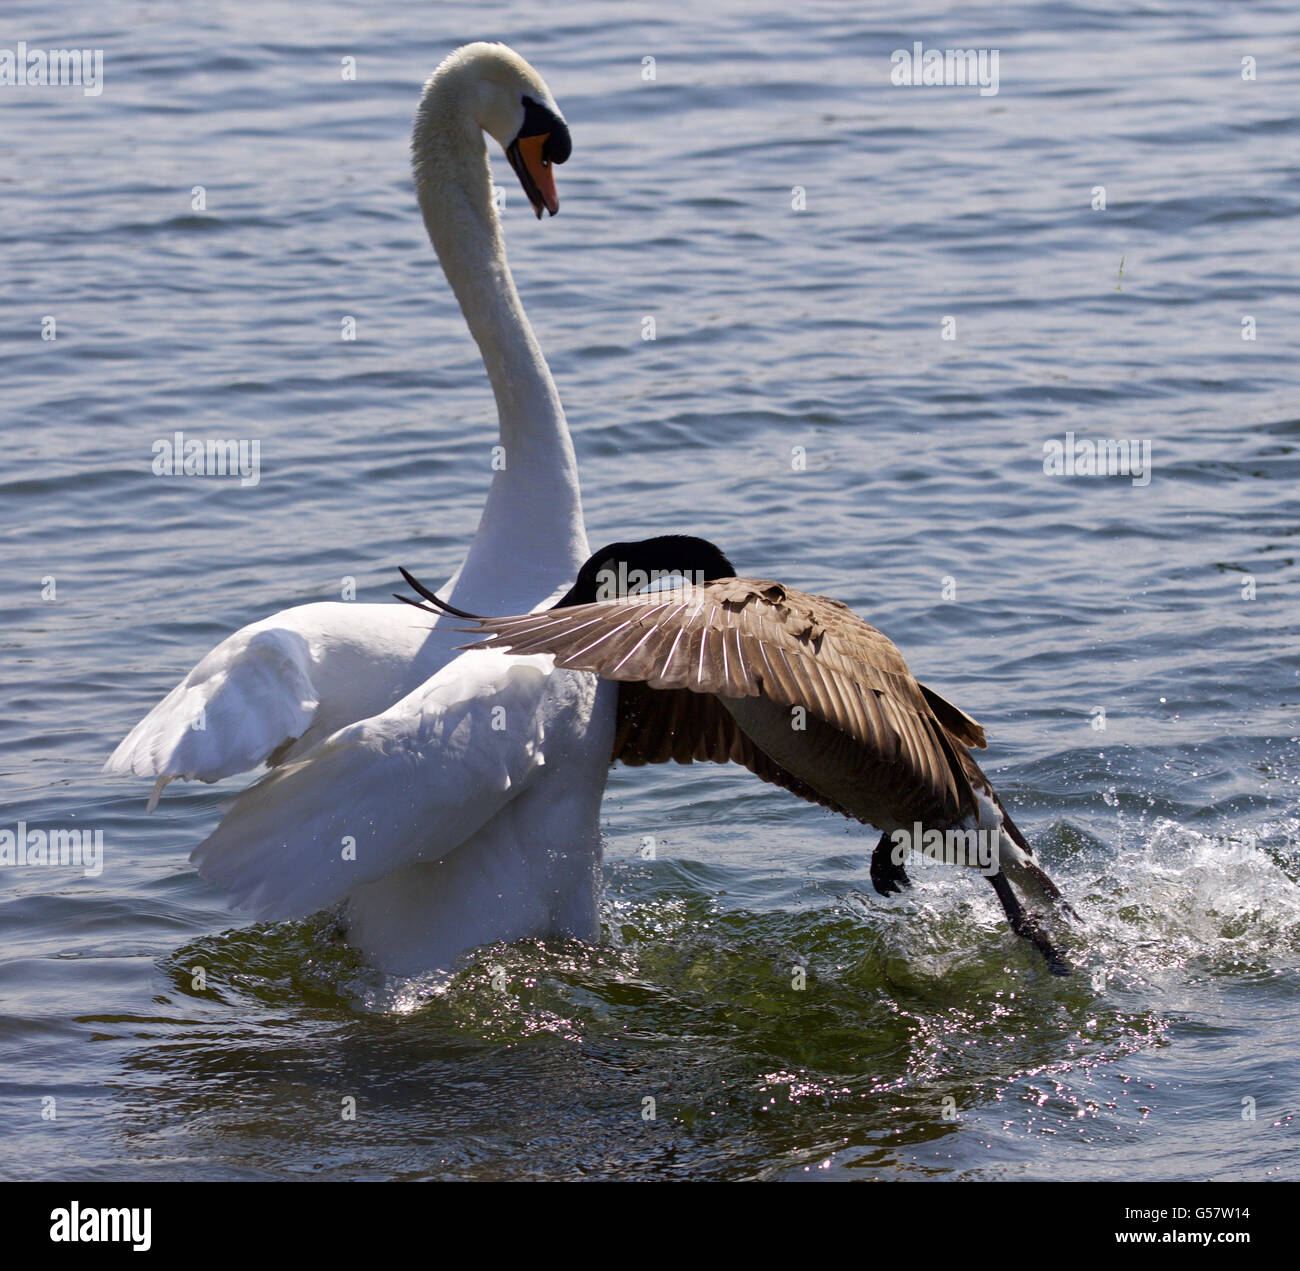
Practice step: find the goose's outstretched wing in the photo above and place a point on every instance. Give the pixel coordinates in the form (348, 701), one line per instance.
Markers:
(744, 637)
(678, 726)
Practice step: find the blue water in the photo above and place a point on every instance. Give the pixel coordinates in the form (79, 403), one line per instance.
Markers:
(929, 1042)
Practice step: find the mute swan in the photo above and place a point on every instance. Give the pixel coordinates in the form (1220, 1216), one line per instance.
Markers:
(795, 687)
(450, 804)
(277, 688)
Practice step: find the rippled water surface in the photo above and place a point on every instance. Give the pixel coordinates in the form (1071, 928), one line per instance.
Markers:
(928, 1042)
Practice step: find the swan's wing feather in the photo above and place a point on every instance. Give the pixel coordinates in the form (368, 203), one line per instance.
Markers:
(246, 698)
(276, 686)
(410, 784)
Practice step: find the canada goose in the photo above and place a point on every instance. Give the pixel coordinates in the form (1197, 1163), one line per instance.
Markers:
(795, 687)
(277, 688)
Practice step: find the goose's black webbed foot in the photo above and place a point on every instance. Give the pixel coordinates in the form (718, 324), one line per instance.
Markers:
(888, 876)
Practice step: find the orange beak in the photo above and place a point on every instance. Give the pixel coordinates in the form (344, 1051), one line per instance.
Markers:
(536, 174)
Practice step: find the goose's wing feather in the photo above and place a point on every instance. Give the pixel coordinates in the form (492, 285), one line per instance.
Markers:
(955, 720)
(676, 725)
(410, 784)
(745, 637)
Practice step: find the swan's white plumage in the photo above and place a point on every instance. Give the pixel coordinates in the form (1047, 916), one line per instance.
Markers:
(465, 832)
(295, 678)
(253, 692)
(488, 777)
(411, 784)
(278, 687)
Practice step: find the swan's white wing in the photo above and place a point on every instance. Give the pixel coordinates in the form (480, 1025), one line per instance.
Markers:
(275, 688)
(251, 694)
(408, 785)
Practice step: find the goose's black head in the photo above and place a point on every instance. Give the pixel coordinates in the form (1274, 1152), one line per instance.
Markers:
(622, 568)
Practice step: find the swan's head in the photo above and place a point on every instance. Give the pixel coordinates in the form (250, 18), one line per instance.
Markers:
(499, 92)
(623, 568)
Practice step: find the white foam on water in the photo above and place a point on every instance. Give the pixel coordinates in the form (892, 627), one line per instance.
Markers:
(1177, 896)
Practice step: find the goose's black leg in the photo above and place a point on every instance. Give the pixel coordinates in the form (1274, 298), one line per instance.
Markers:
(1049, 887)
(1026, 924)
(887, 875)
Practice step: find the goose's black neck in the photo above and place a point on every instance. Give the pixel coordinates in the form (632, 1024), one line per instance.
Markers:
(622, 568)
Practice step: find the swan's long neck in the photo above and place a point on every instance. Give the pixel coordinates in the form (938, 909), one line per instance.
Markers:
(531, 532)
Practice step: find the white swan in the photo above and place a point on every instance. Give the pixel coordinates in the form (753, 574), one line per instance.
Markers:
(449, 811)
(275, 689)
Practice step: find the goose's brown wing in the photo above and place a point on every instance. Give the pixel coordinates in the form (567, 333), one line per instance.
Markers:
(956, 721)
(675, 725)
(744, 637)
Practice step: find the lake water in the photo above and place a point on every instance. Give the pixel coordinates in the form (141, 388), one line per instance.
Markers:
(928, 1042)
